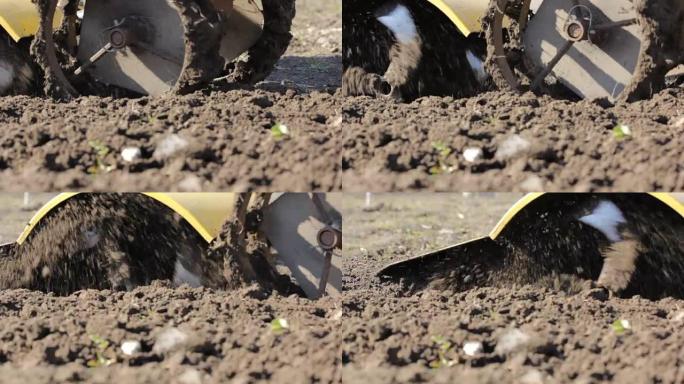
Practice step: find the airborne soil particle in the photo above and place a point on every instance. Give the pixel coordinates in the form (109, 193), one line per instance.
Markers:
(572, 144)
(528, 332)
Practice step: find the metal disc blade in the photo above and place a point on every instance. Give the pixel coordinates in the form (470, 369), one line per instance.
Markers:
(599, 69)
(152, 70)
(291, 223)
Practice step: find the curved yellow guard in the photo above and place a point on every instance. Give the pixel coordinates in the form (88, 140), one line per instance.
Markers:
(465, 14)
(20, 19)
(205, 212)
(666, 198)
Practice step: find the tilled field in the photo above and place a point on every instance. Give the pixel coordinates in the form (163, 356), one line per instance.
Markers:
(507, 142)
(527, 334)
(158, 333)
(215, 139)
(186, 336)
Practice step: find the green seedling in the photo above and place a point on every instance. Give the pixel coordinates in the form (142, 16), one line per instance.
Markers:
(280, 131)
(279, 326)
(443, 152)
(443, 347)
(621, 326)
(101, 151)
(622, 132)
(100, 360)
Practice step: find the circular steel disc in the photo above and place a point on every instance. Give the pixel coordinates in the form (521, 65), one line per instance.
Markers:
(591, 69)
(152, 70)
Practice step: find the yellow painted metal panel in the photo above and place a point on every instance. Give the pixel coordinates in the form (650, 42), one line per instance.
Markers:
(19, 18)
(465, 14)
(666, 198)
(42, 212)
(206, 212)
(512, 212)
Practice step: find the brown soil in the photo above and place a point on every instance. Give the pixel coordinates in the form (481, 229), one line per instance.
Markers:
(228, 337)
(77, 145)
(529, 334)
(570, 146)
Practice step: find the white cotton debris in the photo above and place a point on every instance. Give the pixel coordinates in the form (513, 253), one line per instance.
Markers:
(512, 147)
(512, 340)
(131, 347)
(473, 154)
(473, 348)
(400, 22)
(170, 146)
(130, 154)
(606, 217)
(169, 339)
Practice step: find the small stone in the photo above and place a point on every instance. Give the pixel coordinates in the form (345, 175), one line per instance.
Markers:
(130, 154)
(533, 183)
(337, 315)
(191, 183)
(512, 147)
(472, 154)
(512, 340)
(532, 376)
(472, 348)
(680, 123)
(678, 317)
(170, 146)
(169, 339)
(190, 376)
(131, 347)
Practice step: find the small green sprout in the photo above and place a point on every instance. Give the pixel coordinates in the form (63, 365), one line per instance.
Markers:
(443, 152)
(100, 360)
(101, 151)
(622, 132)
(444, 346)
(280, 131)
(621, 326)
(279, 326)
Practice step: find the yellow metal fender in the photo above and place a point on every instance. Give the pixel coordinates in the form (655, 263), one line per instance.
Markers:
(666, 198)
(465, 14)
(205, 212)
(20, 19)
